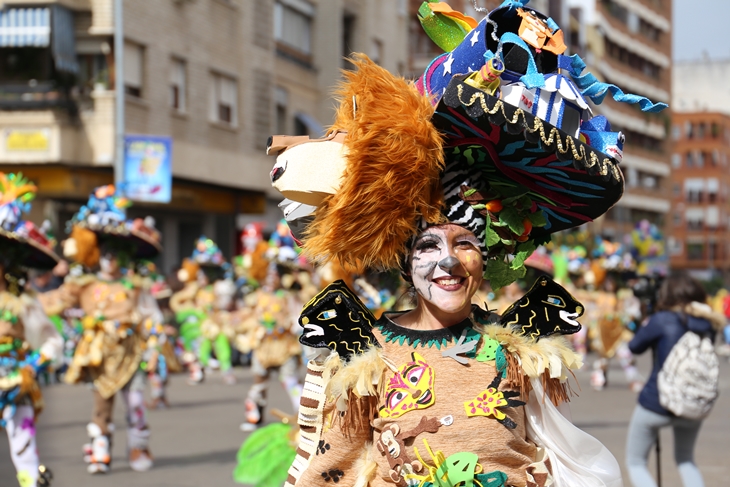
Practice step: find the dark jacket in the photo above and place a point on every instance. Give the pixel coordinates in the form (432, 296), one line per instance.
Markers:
(661, 333)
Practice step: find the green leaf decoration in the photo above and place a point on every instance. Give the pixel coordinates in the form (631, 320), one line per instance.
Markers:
(265, 457)
(508, 242)
(492, 237)
(537, 219)
(469, 157)
(512, 218)
(524, 250)
(500, 274)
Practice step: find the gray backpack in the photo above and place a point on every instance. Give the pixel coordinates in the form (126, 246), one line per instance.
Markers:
(689, 379)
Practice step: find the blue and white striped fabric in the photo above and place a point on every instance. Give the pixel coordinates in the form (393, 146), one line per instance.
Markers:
(25, 27)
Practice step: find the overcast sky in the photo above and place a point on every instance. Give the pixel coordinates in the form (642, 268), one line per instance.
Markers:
(701, 25)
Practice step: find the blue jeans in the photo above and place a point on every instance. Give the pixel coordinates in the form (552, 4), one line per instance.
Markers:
(643, 433)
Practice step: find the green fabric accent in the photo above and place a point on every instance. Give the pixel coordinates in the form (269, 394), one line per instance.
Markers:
(429, 338)
(489, 350)
(190, 329)
(492, 479)
(472, 335)
(206, 347)
(265, 457)
(57, 322)
(501, 361)
(223, 352)
(9, 347)
(7, 315)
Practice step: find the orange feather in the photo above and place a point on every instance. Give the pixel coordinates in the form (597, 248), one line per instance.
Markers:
(391, 180)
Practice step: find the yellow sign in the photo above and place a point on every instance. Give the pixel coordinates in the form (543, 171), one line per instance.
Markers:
(27, 140)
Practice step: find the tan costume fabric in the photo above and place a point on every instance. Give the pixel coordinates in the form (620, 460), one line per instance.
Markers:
(436, 411)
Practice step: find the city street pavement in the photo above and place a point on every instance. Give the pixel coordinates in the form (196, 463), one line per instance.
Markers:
(196, 440)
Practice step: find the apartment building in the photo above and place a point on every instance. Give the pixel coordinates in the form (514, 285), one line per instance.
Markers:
(629, 43)
(216, 76)
(699, 225)
(699, 231)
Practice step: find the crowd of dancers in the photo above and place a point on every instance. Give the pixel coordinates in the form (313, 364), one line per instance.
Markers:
(102, 314)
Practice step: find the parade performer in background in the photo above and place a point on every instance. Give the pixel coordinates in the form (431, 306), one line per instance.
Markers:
(29, 342)
(118, 312)
(215, 300)
(441, 394)
(276, 347)
(160, 359)
(189, 315)
(610, 335)
(251, 265)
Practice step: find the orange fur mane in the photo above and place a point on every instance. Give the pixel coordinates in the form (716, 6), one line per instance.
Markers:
(392, 176)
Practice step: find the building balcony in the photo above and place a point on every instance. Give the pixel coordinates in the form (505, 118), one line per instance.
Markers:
(36, 96)
(40, 129)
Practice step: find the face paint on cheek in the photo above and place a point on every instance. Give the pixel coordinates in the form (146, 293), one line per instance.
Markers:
(422, 272)
(422, 278)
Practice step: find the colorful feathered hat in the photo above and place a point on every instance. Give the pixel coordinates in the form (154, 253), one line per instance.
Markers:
(21, 241)
(496, 136)
(105, 214)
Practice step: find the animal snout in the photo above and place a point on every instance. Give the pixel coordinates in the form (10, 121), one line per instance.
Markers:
(279, 143)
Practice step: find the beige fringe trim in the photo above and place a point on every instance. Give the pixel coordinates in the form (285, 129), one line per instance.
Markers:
(550, 359)
(354, 390)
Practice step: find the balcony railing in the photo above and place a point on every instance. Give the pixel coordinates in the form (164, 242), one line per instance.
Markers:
(42, 95)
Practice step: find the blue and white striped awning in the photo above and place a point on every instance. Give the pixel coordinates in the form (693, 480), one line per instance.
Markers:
(25, 27)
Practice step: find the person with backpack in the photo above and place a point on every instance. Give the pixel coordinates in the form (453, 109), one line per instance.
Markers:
(683, 385)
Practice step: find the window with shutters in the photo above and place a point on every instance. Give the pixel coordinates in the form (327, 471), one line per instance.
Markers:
(293, 21)
(133, 69)
(178, 85)
(224, 99)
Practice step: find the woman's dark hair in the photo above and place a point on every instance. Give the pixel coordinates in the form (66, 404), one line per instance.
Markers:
(679, 290)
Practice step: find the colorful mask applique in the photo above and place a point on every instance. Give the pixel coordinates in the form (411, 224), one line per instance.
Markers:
(462, 469)
(336, 319)
(546, 309)
(491, 401)
(409, 389)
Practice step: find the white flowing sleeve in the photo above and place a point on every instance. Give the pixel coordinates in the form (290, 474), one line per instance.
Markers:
(40, 332)
(577, 458)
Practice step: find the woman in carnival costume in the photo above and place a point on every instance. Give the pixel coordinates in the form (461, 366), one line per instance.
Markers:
(446, 180)
(119, 311)
(29, 342)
